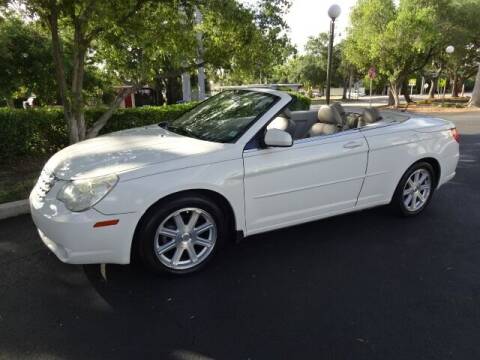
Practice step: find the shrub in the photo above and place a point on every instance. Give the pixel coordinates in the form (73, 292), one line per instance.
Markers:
(43, 130)
(300, 101)
(146, 115)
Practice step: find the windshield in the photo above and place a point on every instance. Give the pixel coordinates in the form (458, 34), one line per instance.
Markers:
(224, 117)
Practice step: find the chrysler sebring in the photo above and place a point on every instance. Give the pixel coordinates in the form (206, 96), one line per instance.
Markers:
(237, 164)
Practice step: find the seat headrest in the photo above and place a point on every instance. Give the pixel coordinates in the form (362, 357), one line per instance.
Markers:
(329, 115)
(282, 123)
(339, 108)
(370, 115)
(287, 113)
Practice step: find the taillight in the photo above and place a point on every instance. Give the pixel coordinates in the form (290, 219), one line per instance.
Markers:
(455, 134)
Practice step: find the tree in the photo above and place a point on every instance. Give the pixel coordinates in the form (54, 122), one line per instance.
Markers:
(81, 22)
(258, 40)
(143, 56)
(475, 101)
(25, 60)
(310, 68)
(464, 35)
(398, 40)
(232, 36)
(459, 28)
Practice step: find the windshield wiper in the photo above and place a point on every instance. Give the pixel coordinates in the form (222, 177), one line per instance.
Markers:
(178, 130)
(163, 125)
(183, 131)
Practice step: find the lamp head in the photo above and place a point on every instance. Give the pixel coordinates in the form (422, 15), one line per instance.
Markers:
(334, 11)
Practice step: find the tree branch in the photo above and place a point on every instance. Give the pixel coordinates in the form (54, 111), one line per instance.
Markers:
(58, 58)
(102, 121)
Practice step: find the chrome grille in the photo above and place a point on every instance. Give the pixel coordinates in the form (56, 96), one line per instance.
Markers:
(44, 184)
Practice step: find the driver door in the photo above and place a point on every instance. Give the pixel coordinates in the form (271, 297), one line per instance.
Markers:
(315, 178)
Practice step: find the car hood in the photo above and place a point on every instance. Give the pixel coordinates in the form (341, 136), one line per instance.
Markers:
(125, 151)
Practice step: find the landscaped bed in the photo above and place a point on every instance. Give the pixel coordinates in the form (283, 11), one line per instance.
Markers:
(438, 104)
(17, 177)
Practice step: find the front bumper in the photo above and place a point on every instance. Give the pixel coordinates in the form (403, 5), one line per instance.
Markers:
(72, 236)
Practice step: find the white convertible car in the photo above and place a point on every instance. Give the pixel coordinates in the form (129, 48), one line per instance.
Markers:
(239, 163)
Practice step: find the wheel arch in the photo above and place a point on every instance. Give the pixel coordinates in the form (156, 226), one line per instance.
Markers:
(433, 162)
(435, 165)
(212, 195)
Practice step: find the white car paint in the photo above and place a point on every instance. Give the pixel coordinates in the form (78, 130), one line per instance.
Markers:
(266, 188)
(313, 179)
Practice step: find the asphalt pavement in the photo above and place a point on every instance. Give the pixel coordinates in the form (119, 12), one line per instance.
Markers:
(368, 285)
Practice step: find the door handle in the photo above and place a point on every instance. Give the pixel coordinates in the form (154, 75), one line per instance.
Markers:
(353, 145)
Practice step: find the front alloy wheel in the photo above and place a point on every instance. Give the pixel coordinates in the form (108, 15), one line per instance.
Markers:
(181, 235)
(185, 238)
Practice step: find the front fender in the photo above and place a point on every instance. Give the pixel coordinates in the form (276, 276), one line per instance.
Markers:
(136, 195)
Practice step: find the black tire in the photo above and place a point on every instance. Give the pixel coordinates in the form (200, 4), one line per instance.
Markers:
(398, 204)
(145, 234)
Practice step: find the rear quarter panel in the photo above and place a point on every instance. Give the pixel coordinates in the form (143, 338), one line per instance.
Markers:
(394, 148)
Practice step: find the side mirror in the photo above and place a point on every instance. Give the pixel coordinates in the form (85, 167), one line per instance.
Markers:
(277, 138)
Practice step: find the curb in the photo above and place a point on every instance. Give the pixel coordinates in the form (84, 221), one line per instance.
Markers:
(14, 208)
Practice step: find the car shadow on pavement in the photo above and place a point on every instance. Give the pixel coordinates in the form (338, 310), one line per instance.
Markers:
(256, 256)
(275, 283)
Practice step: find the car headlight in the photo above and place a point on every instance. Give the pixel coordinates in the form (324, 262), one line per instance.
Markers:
(80, 195)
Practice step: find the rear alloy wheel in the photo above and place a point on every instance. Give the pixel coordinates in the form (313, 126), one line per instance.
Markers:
(415, 189)
(181, 235)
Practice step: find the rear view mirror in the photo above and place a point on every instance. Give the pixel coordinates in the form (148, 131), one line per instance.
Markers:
(277, 138)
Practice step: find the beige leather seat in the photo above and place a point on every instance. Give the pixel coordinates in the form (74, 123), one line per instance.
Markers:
(369, 116)
(328, 123)
(303, 122)
(343, 114)
(352, 121)
(283, 122)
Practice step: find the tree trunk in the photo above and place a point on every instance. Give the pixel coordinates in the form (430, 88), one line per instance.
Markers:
(395, 90)
(160, 100)
(102, 121)
(345, 88)
(350, 84)
(475, 100)
(78, 111)
(173, 90)
(431, 92)
(10, 103)
(78, 72)
(57, 52)
(391, 100)
(406, 94)
(455, 85)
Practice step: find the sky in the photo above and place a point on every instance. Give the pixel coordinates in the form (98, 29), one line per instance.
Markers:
(310, 17)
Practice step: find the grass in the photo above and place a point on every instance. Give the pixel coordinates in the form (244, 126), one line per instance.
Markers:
(16, 191)
(18, 176)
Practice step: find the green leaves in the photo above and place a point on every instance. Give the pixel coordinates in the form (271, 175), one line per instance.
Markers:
(25, 60)
(310, 68)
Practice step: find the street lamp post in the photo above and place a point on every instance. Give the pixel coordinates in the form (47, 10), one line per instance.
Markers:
(449, 50)
(333, 12)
